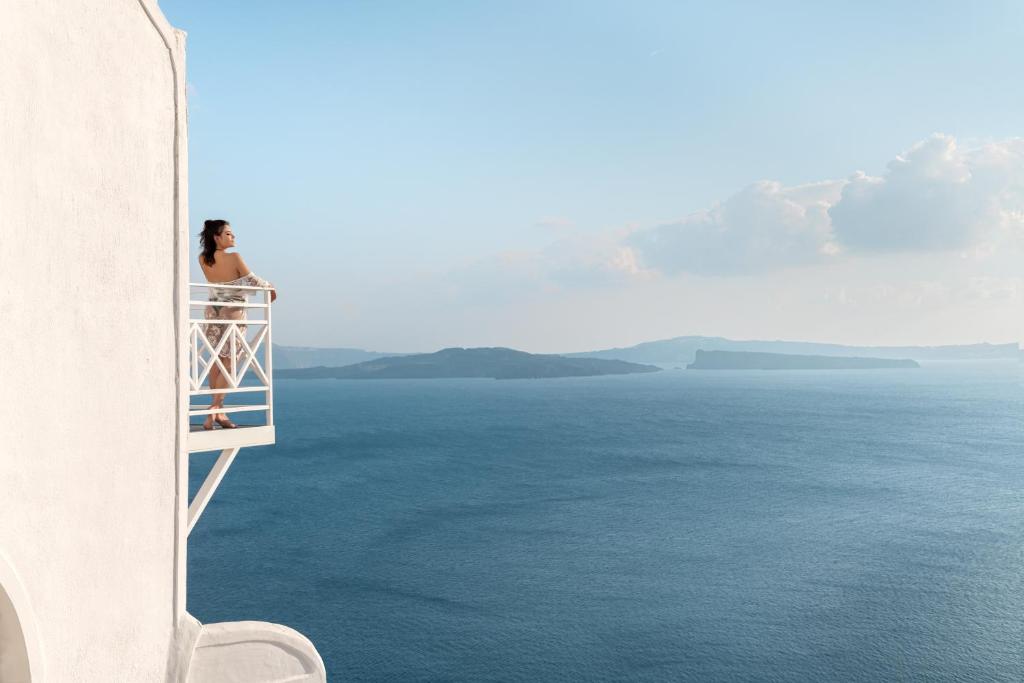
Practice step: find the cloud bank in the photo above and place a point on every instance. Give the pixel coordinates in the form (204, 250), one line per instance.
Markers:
(928, 252)
(933, 197)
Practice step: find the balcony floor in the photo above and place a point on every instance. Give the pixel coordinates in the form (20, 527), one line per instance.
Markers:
(218, 439)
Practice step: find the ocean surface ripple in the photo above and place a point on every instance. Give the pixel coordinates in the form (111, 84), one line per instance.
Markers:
(681, 526)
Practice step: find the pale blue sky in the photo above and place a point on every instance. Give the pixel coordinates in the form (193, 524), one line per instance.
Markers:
(421, 174)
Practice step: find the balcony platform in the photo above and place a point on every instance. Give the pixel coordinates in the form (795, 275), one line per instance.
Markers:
(218, 439)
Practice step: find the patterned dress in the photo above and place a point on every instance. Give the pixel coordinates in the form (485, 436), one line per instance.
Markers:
(214, 332)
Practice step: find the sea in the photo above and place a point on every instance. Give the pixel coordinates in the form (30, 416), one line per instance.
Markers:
(677, 526)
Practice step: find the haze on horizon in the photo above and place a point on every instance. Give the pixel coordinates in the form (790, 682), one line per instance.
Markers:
(582, 175)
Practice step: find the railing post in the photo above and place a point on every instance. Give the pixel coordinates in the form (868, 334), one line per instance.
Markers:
(268, 352)
(232, 331)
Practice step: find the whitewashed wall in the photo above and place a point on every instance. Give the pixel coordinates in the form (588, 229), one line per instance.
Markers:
(91, 214)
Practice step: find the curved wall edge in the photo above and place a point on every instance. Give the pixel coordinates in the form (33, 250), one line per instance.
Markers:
(174, 41)
(10, 583)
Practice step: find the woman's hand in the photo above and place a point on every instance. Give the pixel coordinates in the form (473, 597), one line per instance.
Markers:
(273, 295)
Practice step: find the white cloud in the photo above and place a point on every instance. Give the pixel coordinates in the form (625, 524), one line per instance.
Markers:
(934, 197)
(593, 260)
(763, 227)
(577, 261)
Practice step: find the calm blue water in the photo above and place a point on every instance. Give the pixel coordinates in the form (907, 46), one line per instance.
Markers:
(790, 526)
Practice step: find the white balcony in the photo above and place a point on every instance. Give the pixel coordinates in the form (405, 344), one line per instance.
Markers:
(237, 355)
(241, 355)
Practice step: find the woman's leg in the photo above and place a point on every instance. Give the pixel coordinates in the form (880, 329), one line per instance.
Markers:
(218, 399)
(213, 333)
(229, 359)
(214, 384)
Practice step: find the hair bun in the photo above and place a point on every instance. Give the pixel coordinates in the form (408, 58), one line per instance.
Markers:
(211, 228)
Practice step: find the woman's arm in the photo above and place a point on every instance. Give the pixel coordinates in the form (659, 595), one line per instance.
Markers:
(243, 270)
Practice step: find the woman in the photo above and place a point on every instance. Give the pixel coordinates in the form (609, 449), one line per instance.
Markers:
(222, 268)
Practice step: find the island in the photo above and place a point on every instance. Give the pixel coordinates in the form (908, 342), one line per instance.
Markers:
(749, 360)
(683, 350)
(496, 363)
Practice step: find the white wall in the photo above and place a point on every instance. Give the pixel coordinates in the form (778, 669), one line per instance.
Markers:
(90, 220)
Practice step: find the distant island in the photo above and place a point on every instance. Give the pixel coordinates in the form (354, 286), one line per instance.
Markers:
(287, 357)
(680, 350)
(497, 363)
(684, 349)
(748, 360)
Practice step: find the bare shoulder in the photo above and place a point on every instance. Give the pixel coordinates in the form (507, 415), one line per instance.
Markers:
(239, 263)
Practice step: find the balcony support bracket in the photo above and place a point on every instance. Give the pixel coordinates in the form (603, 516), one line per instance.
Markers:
(213, 479)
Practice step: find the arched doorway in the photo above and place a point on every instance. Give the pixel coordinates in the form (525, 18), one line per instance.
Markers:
(20, 658)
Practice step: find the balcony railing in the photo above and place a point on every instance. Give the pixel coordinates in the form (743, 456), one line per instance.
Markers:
(239, 350)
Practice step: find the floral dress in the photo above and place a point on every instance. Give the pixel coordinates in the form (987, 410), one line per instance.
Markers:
(214, 332)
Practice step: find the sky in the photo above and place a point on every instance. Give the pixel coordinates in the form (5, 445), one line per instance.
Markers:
(563, 176)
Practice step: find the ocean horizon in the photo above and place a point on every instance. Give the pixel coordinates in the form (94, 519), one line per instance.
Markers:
(681, 525)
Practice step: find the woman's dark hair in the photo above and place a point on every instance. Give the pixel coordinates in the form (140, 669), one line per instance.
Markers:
(211, 229)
